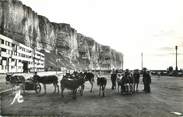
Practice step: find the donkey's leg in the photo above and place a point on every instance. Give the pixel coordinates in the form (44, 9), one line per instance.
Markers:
(22, 86)
(44, 88)
(103, 90)
(57, 88)
(131, 88)
(115, 84)
(118, 88)
(62, 91)
(134, 87)
(137, 86)
(99, 89)
(91, 82)
(54, 87)
(74, 93)
(82, 89)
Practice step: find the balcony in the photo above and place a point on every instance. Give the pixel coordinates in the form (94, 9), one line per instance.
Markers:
(6, 47)
(4, 54)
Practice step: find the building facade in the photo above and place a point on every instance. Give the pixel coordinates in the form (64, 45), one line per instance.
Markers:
(16, 57)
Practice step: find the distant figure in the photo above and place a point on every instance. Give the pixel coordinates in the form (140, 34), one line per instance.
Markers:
(159, 74)
(113, 79)
(146, 81)
(35, 75)
(136, 76)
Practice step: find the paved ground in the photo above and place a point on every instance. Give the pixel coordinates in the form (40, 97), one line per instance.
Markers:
(164, 101)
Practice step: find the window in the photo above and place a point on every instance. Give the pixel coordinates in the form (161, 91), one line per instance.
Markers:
(15, 53)
(4, 58)
(13, 45)
(6, 67)
(2, 41)
(3, 50)
(9, 52)
(8, 43)
(23, 55)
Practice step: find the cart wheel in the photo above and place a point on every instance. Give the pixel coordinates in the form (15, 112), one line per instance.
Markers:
(38, 88)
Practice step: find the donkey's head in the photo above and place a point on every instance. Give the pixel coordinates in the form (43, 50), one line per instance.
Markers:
(8, 77)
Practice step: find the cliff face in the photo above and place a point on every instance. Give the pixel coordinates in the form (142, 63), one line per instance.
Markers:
(75, 50)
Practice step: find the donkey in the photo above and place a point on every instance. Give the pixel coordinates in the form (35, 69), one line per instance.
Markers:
(72, 84)
(47, 80)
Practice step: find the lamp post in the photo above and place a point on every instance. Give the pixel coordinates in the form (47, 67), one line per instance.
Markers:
(142, 61)
(176, 68)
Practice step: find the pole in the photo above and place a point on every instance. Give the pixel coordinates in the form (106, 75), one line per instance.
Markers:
(142, 60)
(176, 68)
(122, 62)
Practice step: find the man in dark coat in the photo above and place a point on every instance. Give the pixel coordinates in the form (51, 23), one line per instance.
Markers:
(136, 76)
(146, 81)
(35, 77)
(113, 79)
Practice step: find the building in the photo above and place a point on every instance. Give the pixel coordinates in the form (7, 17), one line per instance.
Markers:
(16, 57)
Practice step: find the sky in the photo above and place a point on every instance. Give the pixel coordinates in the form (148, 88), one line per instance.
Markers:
(151, 27)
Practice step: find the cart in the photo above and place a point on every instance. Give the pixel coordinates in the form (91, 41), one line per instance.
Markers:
(30, 85)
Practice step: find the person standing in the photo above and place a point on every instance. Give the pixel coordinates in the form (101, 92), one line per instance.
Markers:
(113, 79)
(146, 81)
(136, 76)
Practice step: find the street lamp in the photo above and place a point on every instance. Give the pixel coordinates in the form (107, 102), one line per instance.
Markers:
(142, 60)
(176, 68)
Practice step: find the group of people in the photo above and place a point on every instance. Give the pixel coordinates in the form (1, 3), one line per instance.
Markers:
(133, 77)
